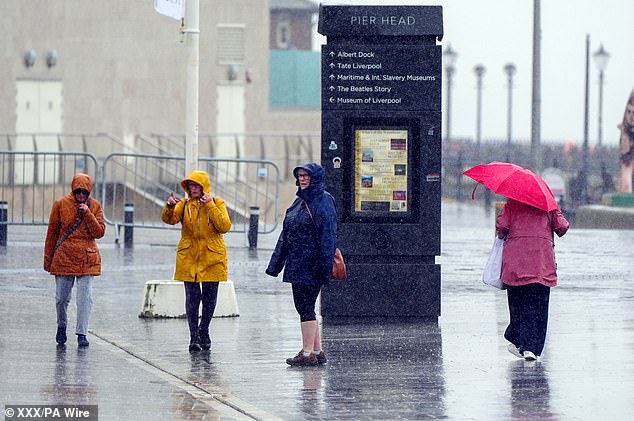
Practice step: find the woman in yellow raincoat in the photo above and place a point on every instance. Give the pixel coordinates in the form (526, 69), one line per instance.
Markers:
(201, 255)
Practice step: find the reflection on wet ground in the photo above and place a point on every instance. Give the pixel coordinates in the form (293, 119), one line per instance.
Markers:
(457, 368)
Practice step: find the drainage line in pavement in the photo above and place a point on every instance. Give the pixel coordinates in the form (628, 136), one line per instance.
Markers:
(219, 399)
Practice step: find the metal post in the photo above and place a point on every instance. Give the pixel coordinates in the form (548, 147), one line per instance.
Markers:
(479, 71)
(449, 57)
(192, 33)
(253, 227)
(510, 71)
(601, 58)
(450, 71)
(600, 107)
(4, 216)
(459, 164)
(584, 169)
(536, 96)
(128, 223)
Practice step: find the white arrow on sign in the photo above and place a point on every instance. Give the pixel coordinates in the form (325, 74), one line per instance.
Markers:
(332, 99)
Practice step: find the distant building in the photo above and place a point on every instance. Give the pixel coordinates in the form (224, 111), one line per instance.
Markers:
(292, 23)
(294, 68)
(118, 67)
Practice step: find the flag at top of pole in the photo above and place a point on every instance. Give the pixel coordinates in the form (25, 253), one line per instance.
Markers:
(172, 8)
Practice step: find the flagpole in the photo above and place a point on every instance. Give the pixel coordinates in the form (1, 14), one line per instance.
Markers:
(192, 36)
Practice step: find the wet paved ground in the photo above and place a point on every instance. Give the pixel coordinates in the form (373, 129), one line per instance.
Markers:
(456, 369)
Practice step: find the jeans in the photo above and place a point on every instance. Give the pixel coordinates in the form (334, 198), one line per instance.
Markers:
(83, 297)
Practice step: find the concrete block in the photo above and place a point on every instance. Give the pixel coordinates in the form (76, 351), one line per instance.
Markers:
(167, 299)
(605, 217)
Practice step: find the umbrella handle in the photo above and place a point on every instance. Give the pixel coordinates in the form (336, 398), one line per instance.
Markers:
(473, 192)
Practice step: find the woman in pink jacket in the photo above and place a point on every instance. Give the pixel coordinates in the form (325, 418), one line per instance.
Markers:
(529, 271)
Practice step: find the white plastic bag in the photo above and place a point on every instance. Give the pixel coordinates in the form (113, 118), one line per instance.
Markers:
(493, 268)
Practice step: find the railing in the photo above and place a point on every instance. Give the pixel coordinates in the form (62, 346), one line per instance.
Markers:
(31, 181)
(286, 149)
(602, 165)
(146, 181)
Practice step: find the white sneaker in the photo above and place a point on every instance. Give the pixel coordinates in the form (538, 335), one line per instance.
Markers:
(529, 356)
(515, 351)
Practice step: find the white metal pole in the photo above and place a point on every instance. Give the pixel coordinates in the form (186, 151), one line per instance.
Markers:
(192, 34)
(536, 100)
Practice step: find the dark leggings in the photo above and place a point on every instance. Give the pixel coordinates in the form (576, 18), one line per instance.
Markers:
(305, 297)
(528, 308)
(195, 292)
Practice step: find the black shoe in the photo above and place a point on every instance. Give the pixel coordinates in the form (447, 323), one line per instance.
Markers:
(205, 340)
(194, 347)
(82, 340)
(60, 338)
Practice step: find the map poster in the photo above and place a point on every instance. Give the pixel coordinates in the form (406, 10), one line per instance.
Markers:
(381, 171)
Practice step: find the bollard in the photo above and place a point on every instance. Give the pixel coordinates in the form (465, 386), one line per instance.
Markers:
(4, 216)
(487, 200)
(128, 221)
(253, 227)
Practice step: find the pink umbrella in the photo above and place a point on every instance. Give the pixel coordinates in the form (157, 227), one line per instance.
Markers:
(514, 182)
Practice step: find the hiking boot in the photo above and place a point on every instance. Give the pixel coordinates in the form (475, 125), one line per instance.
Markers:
(205, 340)
(60, 337)
(321, 357)
(82, 341)
(301, 360)
(515, 351)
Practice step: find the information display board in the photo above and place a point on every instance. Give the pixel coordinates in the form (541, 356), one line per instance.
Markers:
(380, 174)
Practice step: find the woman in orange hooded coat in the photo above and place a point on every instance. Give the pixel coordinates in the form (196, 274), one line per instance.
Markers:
(71, 253)
(201, 255)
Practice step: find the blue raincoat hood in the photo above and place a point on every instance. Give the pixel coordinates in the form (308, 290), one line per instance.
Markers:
(317, 181)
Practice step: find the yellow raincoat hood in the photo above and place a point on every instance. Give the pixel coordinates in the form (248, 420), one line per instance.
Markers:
(198, 177)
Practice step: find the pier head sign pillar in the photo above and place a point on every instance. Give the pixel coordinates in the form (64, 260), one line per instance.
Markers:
(381, 148)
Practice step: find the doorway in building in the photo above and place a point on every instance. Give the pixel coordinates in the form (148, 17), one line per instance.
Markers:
(38, 126)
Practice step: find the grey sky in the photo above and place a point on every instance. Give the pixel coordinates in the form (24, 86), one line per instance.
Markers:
(495, 32)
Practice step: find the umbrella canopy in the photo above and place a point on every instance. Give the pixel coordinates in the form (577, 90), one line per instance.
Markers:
(516, 183)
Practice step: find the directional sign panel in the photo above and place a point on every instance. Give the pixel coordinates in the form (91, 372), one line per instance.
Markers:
(380, 77)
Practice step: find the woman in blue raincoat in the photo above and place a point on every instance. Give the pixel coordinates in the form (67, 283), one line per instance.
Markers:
(305, 249)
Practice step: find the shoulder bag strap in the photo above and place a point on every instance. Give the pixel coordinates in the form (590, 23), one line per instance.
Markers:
(309, 212)
(77, 223)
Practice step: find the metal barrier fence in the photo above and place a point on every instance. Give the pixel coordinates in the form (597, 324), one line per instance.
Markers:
(602, 165)
(31, 181)
(144, 182)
